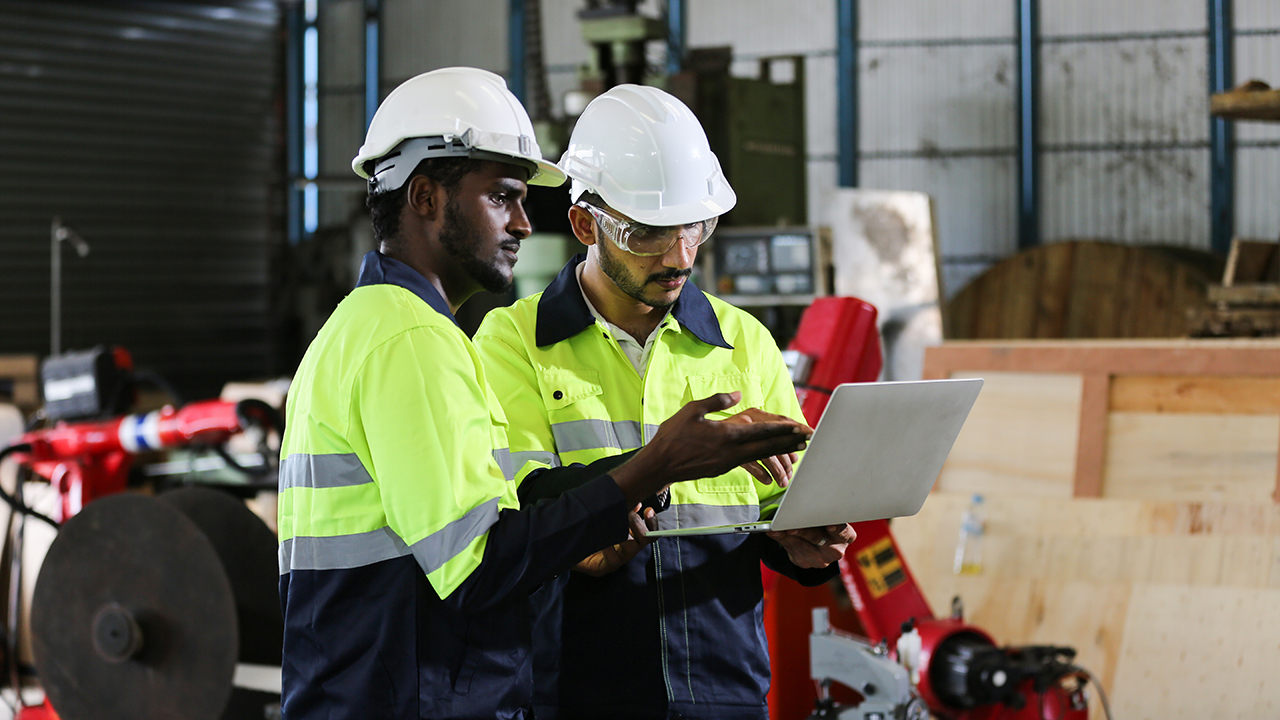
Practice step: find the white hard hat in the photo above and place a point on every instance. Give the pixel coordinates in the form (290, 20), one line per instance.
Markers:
(450, 112)
(646, 155)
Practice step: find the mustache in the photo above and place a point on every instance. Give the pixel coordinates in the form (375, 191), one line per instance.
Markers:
(670, 275)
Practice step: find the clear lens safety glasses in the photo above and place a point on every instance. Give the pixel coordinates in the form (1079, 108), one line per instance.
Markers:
(649, 240)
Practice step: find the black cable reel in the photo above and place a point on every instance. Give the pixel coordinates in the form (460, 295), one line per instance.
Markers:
(146, 607)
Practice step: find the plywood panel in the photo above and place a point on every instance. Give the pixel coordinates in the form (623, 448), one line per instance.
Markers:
(1149, 593)
(1190, 457)
(1101, 541)
(1020, 438)
(1162, 394)
(1177, 663)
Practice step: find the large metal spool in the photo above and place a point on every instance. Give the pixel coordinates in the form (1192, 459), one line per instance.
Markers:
(146, 606)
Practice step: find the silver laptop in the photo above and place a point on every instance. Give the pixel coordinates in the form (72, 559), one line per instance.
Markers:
(875, 454)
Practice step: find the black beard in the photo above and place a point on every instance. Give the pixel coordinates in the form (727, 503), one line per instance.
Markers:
(460, 239)
(618, 273)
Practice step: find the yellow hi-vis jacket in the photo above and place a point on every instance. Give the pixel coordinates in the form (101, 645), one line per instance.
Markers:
(405, 566)
(680, 624)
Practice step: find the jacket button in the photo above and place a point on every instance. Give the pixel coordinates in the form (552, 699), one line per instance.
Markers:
(557, 395)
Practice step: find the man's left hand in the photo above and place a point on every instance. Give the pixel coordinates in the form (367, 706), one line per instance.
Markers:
(815, 547)
(615, 556)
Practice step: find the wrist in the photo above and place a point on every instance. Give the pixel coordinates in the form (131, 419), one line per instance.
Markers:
(639, 477)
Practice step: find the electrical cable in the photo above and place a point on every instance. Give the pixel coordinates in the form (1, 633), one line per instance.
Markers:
(15, 591)
(156, 380)
(1102, 694)
(10, 642)
(15, 502)
(261, 414)
(247, 409)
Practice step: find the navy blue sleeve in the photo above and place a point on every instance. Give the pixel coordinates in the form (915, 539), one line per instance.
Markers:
(529, 546)
(551, 483)
(776, 559)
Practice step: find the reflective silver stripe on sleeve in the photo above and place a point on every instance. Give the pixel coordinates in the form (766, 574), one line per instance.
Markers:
(697, 515)
(342, 552)
(518, 460)
(595, 434)
(502, 456)
(322, 471)
(438, 548)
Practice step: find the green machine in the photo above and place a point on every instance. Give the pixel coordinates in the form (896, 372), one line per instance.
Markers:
(756, 127)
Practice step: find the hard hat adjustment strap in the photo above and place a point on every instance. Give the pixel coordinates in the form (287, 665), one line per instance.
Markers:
(392, 170)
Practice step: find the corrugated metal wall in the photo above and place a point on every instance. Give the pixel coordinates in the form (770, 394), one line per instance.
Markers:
(937, 114)
(1257, 56)
(340, 96)
(149, 127)
(1123, 119)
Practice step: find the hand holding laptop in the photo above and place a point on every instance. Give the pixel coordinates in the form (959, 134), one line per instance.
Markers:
(815, 547)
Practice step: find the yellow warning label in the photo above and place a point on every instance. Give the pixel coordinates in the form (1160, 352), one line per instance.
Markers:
(881, 567)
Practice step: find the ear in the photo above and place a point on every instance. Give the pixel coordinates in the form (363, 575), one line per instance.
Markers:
(426, 198)
(584, 225)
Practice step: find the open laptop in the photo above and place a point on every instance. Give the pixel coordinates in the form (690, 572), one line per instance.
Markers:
(875, 454)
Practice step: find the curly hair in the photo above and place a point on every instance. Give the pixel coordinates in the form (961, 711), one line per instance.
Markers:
(385, 208)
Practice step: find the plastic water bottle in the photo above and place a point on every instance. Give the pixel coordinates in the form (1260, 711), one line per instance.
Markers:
(969, 548)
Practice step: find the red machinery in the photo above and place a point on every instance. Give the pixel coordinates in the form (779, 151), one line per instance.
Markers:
(133, 566)
(88, 460)
(956, 668)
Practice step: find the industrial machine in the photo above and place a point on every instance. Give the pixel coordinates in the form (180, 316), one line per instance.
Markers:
(910, 663)
(146, 606)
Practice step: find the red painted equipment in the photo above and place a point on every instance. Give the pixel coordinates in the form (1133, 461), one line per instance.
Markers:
(958, 669)
(838, 336)
(87, 460)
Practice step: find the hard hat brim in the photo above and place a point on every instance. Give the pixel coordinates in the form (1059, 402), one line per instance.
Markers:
(548, 175)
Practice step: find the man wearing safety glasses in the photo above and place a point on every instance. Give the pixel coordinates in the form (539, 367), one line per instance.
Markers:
(588, 369)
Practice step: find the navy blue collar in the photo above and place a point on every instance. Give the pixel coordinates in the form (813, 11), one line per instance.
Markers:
(563, 312)
(378, 269)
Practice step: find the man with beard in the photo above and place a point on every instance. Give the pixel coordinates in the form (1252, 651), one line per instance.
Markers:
(405, 563)
(586, 370)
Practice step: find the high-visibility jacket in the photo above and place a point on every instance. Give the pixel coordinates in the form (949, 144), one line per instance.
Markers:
(677, 631)
(405, 566)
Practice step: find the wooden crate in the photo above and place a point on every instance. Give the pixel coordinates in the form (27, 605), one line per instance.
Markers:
(21, 373)
(1204, 413)
(1131, 496)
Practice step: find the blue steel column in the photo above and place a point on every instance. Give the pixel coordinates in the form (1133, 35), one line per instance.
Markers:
(1028, 22)
(295, 26)
(372, 58)
(515, 45)
(847, 90)
(676, 35)
(1221, 136)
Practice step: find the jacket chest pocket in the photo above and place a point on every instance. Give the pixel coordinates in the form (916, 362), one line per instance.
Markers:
(703, 386)
(574, 399)
(734, 487)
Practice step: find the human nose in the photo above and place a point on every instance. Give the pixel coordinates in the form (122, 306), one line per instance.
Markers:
(518, 225)
(681, 253)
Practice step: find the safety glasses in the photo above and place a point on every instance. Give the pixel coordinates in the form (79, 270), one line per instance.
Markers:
(649, 240)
